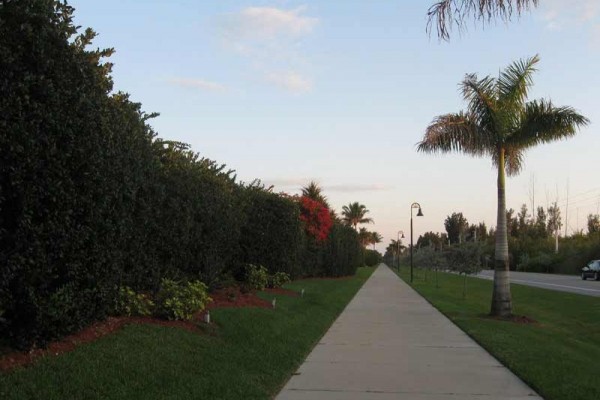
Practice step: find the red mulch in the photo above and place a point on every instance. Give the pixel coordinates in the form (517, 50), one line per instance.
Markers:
(286, 292)
(227, 297)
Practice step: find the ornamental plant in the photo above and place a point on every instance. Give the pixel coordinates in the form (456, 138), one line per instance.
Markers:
(257, 276)
(278, 279)
(316, 218)
(176, 301)
(130, 303)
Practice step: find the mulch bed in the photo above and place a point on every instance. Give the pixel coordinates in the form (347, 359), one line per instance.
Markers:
(285, 292)
(516, 319)
(224, 298)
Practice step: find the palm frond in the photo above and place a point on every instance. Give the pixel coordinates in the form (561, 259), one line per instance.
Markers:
(444, 14)
(541, 122)
(455, 132)
(513, 160)
(514, 82)
(481, 95)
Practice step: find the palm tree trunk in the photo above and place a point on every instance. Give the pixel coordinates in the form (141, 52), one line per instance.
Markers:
(501, 298)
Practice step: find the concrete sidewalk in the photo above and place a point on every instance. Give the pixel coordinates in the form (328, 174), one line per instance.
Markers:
(389, 343)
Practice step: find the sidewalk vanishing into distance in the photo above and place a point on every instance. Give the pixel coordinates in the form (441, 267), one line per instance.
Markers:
(389, 343)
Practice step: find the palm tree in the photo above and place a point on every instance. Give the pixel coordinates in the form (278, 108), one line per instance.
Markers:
(375, 238)
(354, 214)
(313, 191)
(500, 124)
(444, 13)
(364, 237)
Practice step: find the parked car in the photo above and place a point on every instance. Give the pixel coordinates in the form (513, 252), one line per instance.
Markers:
(592, 270)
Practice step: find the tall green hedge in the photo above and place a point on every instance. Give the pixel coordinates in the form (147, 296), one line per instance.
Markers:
(91, 200)
(271, 234)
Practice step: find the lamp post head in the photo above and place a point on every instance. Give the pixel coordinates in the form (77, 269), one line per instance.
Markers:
(417, 205)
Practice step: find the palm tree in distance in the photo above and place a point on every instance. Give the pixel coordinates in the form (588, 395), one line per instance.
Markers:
(364, 237)
(354, 214)
(500, 124)
(375, 238)
(313, 191)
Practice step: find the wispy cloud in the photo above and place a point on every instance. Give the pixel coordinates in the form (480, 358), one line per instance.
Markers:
(290, 80)
(368, 187)
(298, 183)
(270, 39)
(260, 23)
(198, 84)
(559, 14)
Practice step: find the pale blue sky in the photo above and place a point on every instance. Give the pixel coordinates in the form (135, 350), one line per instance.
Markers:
(341, 91)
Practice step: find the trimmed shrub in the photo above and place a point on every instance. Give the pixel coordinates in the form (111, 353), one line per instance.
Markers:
(69, 174)
(342, 254)
(130, 303)
(257, 276)
(175, 301)
(278, 279)
(372, 258)
(272, 233)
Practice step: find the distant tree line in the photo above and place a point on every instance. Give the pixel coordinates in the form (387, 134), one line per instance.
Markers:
(535, 241)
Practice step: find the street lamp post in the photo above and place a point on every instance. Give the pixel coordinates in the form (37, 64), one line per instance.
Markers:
(419, 214)
(398, 249)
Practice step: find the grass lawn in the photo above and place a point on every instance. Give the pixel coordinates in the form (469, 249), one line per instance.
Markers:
(559, 356)
(248, 354)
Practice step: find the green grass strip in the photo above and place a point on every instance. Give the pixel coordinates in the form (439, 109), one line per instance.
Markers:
(559, 356)
(248, 354)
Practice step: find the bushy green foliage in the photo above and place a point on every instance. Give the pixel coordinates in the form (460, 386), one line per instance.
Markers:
(342, 253)
(92, 201)
(372, 258)
(198, 218)
(130, 303)
(177, 301)
(465, 258)
(69, 173)
(278, 279)
(257, 276)
(272, 233)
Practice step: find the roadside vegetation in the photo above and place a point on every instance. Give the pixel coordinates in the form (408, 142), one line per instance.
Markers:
(536, 242)
(245, 353)
(99, 216)
(551, 342)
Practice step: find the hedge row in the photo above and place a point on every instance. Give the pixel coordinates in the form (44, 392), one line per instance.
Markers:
(91, 200)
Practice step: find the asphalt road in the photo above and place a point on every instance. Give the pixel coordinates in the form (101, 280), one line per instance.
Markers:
(564, 283)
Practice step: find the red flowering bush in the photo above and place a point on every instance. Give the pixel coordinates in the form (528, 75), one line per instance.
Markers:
(316, 218)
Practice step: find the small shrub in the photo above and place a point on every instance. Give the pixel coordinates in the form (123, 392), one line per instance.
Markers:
(175, 301)
(130, 303)
(257, 276)
(278, 279)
